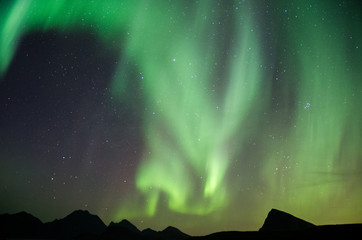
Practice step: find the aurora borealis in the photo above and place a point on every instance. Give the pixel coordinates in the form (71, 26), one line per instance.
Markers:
(198, 114)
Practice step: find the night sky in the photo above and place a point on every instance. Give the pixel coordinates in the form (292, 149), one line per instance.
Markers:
(202, 115)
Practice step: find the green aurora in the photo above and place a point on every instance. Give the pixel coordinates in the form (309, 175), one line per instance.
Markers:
(250, 105)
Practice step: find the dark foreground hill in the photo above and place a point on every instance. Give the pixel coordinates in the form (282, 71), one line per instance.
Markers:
(20, 224)
(83, 225)
(77, 223)
(281, 221)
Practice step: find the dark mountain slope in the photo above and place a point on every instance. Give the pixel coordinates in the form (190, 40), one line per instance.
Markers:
(125, 224)
(85, 226)
(21, 224)
(281, 221)
(77, 223)
(173, 233)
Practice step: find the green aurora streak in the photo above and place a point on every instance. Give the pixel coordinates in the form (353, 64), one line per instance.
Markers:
(196, 124)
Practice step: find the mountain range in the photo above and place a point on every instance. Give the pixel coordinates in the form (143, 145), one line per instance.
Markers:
(83, 225)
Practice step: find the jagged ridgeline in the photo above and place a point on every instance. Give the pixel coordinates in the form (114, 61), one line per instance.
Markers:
(83, 225)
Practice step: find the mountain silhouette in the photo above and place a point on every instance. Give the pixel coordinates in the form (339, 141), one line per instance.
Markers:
(281, 221)
(83, 225)
(77, 223)
(125, 224)
(124, 228)
(173, 233)
(149, 233)
(20, 224)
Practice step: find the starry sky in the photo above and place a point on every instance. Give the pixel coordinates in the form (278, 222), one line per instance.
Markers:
(203, 114)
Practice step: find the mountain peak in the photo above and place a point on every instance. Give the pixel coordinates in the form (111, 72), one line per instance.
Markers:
(82, 215)
(80, 212)
(26, 215)
(171, 229)
(76, 223)
(29, 225)
(149, 231)
(281, 221)
(173, 233)
(125, 224)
